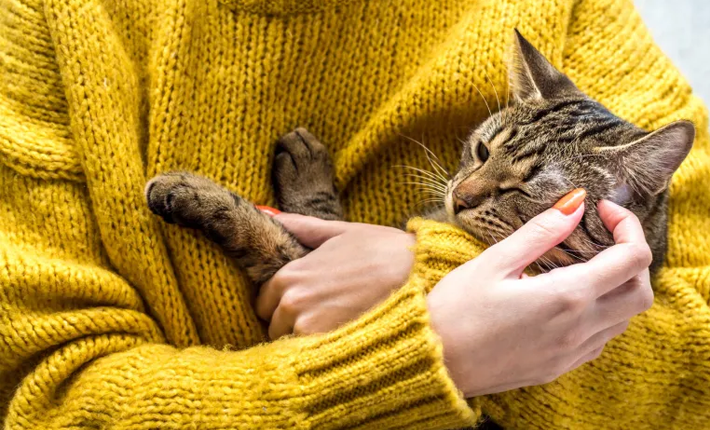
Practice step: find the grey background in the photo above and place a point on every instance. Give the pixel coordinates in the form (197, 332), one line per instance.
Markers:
(682, 29)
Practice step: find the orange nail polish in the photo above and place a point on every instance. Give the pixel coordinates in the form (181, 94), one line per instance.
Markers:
(570, 202)
(268, 210)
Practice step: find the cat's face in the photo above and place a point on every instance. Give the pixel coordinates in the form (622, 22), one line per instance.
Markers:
(554, 139)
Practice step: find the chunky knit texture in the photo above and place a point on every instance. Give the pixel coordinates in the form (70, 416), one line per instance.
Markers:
(109, 318)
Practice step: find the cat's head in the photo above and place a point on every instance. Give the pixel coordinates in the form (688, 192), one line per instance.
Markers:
(553, 139)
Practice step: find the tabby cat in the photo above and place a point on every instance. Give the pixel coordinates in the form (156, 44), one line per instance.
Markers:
(518, 163)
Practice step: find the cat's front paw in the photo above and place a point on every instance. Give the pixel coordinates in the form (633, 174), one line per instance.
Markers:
(301, 160)
(186, 199)
(303, 176)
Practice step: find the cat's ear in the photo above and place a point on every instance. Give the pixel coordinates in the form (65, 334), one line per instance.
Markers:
(648, 163)
(532, 77)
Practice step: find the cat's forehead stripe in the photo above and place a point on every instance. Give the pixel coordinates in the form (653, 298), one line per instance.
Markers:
(556, 108)
(502, 137)
(598, 127)
(534, 149)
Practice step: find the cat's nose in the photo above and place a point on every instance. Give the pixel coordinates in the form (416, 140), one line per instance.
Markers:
(463, 201)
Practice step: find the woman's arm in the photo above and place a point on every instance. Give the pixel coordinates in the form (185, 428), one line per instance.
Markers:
(80, 350)
(500, 330)
(658, 373)
(82, 346)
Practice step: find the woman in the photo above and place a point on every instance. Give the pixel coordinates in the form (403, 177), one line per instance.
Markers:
(110, 320)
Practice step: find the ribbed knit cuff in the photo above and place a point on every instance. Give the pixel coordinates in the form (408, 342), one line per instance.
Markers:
(440, 248)
(385, 370)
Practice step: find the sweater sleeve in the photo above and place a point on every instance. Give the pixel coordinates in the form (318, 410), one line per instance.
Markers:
(83, 347)
(657, 374)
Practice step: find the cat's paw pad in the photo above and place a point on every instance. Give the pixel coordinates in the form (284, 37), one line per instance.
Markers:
(183, 198)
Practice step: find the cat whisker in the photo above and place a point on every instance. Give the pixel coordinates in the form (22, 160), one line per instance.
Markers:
(499, 223)
(434, 181)
(493, 239)
(431, 199)
(494, 90)
(570, 253)
(435, 162)
(438, 168)
(428, 184)
(434, 196)
(426, 187)
(428, 173)
(484, 99)
(594, 243)
(579, 251)
(507, 97)
(568, 180)
(548, 262)
(435, 193)
(434, 187)
(427, 202)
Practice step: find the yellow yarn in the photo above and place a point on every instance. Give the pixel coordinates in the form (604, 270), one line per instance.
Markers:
(109, 318)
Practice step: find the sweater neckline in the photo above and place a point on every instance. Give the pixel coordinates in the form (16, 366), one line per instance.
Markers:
(284, 7)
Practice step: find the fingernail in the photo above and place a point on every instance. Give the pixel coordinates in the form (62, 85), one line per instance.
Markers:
(570, 202)
(268, 210)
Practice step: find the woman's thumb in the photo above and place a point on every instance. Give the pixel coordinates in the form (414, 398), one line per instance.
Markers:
(311, 231)
(539, 235)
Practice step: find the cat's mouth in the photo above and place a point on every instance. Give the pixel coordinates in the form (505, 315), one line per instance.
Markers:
(490, 228)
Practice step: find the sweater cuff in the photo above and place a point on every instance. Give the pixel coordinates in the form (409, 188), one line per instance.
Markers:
(440, 248)
(385, 370)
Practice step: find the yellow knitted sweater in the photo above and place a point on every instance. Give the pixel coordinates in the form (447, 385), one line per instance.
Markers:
(109, 318)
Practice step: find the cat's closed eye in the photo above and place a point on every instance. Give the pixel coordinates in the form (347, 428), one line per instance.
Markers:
(503, 191)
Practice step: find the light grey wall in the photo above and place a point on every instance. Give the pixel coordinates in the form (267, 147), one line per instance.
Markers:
(682, 29)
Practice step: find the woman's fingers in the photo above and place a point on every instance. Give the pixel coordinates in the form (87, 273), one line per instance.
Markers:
(267, 300)
(600, 339)
(587, 358)
(339, 280)
(621, 222)
(272, 291)
(631, 298)
(615, 265)
(311, 232)
(281, 324)
(593, 347)
(542, 233)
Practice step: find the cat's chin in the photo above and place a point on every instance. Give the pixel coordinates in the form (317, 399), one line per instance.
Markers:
(481, 233)
(552, 259)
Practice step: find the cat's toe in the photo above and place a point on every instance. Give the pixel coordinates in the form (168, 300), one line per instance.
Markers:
(188, 200)
(159, 193)
(303, 149)
(301, 163)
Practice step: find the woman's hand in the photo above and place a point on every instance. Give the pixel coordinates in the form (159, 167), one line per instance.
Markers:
(352, 268)
(501, 330)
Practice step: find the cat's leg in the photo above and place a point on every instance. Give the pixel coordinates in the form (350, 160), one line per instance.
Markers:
(260, 245)
(303, 177)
